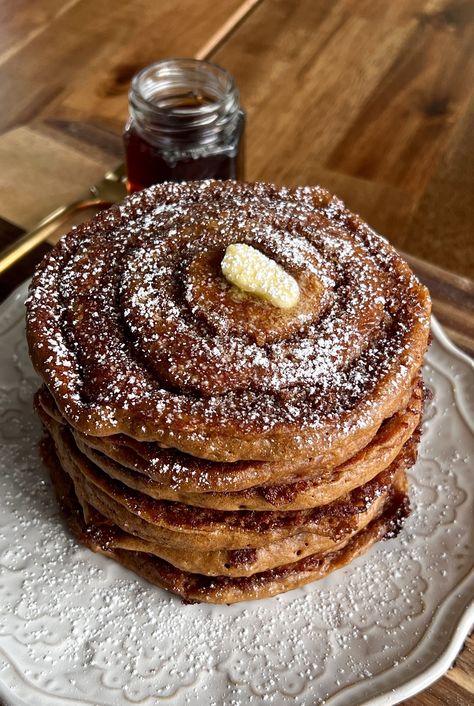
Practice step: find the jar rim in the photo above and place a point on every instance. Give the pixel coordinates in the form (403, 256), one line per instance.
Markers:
(174, 69)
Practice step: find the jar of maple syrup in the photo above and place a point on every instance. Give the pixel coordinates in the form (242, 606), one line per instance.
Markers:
(185, 123)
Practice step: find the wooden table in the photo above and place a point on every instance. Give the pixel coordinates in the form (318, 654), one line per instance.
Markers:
(371, 98)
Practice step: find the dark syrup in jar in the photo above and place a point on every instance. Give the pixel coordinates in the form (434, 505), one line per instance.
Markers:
(177, 133)
(146, 164)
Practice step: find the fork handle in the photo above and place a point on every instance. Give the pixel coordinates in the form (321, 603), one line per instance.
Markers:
(14, 252)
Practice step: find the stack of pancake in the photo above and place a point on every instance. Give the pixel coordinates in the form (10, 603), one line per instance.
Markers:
(216, 444)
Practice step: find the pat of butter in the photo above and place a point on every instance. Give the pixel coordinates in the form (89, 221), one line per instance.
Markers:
(252, 271)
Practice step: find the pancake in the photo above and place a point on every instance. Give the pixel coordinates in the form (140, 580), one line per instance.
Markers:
(135, 331)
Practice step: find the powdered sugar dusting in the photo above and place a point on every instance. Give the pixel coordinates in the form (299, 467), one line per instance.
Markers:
(123, 332)
(76, 626)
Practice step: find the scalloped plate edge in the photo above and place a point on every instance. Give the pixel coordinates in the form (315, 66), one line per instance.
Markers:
(459, 631)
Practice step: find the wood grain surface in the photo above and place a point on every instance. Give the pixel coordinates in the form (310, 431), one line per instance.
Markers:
(371, 98)
(73, 59)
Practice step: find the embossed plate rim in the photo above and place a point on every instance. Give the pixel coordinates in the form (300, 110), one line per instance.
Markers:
(461, 628)
(458, 600)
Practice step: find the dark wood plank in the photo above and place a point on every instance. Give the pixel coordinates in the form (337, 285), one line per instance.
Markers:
(114, 40)
(454, 689)
(76, 63)
(21, 21)
(401, 130)
(443, 221)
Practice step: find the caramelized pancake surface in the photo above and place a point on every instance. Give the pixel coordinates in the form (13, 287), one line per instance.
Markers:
(135, 331)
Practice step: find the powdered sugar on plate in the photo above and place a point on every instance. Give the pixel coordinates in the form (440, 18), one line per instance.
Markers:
(77, 627)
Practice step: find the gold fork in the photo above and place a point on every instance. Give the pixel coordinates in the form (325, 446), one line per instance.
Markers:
(110, 189)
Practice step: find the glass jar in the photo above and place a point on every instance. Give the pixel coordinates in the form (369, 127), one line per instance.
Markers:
(185, 122)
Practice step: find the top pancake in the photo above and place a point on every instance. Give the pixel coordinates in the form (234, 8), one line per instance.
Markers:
(135, 331)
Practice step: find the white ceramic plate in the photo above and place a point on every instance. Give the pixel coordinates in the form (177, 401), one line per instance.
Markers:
(78, 629)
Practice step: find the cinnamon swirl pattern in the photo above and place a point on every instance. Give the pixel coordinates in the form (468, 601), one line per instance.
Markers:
(220, 446)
